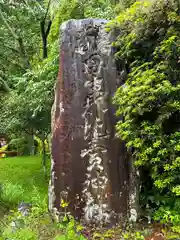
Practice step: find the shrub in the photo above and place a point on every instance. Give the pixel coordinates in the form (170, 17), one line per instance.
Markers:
(38, 224)
(18, 144)
(148, 50)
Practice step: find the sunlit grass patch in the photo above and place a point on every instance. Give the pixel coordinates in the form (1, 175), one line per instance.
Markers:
(22, 179)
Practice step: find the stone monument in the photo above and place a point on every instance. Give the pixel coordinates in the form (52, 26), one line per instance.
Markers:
(90, 167)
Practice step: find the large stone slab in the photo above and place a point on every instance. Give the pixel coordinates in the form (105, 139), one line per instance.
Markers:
(89, 164)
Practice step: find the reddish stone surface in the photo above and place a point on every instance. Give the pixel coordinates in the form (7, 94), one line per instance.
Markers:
(89, 164)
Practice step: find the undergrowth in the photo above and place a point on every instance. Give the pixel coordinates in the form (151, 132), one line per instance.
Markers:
(38, 225)
(22, 180)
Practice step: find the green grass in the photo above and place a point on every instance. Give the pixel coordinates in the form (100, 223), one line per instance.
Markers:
(22, 179)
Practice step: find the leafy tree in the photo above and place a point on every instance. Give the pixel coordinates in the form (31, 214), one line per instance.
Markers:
(79, 9)
(29, 34)
(148, 48)
(28, 74)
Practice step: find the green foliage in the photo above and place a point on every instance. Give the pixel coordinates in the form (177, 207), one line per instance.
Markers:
(149, 103)
(19, 172)
(24, 234)
(99, 9)
(130, 233)
(71, 229)
(147, 44)
(19, 145)
(136, 236)
(167, 216)
(78, 9)
(31, 227)
(27, 76)
(171, 218)
(122, 5)
(20, 36)
(39, 149)
(28, 108)
(104, 235)
(38, 224)
(30, 79)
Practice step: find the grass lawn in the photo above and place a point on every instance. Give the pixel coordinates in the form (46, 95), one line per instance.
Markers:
(22, 179)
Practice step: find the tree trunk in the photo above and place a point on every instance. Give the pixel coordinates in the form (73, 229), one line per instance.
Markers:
(30, 144)
(23, 53)
(44, 158)
(44, 35)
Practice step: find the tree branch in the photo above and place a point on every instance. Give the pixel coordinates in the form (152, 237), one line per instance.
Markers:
(48, 28)
(5, 85)
(23, 53)
(18, 39)
(12, 49)
(27, 4)
(7, 25)
(47, 10)
(14, 63)
(44, 34)
(28, 132)
(44, 39)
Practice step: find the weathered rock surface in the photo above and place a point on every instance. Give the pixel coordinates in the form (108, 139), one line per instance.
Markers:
(24, 208)
(89, 164)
